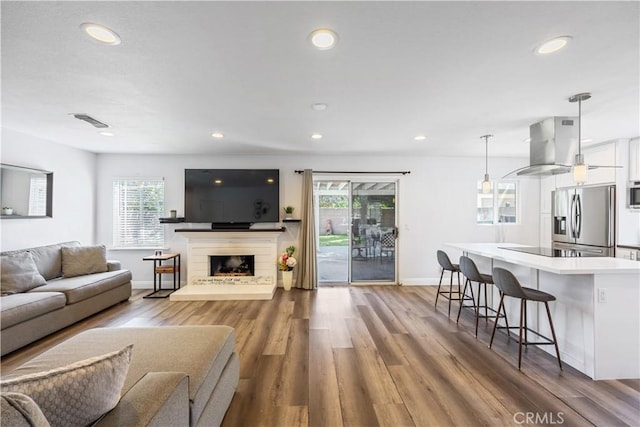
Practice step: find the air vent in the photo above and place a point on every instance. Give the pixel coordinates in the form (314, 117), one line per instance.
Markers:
(90, 120)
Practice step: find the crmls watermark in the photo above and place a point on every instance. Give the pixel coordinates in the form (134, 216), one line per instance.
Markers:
(548, 418)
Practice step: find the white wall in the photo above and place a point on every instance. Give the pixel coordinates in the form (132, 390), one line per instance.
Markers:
(73, 192)
(437, 201)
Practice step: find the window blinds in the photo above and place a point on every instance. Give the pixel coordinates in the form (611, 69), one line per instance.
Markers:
(37, 196)
(138, 203)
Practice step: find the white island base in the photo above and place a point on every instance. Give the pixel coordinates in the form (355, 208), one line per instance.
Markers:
(596, 314)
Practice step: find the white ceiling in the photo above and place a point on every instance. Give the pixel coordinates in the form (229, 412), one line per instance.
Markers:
(450, 70)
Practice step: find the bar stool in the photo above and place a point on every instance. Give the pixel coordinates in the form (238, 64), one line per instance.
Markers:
(445, 263)
(470, 271)
(509, 286)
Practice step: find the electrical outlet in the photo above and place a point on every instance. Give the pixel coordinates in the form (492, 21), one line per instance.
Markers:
(602, 295)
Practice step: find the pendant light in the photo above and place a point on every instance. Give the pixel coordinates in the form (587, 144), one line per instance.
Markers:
(579, 169)
(486, 183)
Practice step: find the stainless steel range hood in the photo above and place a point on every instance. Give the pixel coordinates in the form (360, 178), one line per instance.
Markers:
(554, 143)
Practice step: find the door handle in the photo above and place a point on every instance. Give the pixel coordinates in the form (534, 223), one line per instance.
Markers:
(395, 232)
(578, 216)
(573, 216)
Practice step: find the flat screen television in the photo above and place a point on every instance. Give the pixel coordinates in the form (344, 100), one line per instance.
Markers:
(231, 197)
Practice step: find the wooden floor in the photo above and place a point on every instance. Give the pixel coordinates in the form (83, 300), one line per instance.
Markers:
(368, 356)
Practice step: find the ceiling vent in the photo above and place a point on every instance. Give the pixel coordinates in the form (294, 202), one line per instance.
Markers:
(90, 120)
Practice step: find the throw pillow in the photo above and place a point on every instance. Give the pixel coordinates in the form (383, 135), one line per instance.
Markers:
(81, 260)
(19, 273)
(76, 394)
(20, 410)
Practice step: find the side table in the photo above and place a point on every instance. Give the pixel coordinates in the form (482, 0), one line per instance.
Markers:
(159, 269)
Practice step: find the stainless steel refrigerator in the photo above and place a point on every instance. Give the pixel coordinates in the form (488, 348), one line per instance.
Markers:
(584, 220)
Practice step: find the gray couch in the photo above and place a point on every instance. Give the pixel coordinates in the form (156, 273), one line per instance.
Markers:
(28, 316)
(178, 375)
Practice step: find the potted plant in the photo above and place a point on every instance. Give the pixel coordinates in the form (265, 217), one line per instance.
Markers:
(7, 210)
(286, 262)
(288, 212)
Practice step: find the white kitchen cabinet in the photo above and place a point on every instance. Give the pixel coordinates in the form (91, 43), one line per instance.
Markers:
(545, 230)
(601, 155)
(547, 185)
(564, 180)
(634, 159)
(598, 155)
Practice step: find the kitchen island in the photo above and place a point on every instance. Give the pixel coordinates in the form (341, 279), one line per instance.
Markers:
(597, 311)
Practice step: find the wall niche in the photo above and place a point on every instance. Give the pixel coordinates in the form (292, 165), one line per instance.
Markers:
(25, 192)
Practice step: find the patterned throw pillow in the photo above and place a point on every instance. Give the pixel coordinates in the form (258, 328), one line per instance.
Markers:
(19, 273)
(81, 260)
(76, 394)
(20, 410)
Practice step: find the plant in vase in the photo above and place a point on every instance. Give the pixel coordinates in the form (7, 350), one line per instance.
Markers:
(288, 213)
(286, 262)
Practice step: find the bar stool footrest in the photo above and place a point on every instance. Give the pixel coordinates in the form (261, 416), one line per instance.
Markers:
(447, 295)
(482, 316)
(548, 341)
(466, 298)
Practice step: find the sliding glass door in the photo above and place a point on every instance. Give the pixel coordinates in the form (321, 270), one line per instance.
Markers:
(331, 199)
(373, 232)
(356, 231)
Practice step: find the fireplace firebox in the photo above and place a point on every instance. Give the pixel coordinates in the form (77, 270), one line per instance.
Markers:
(231, 265)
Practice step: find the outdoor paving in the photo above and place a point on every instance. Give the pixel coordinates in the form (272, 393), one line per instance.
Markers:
(333, 263)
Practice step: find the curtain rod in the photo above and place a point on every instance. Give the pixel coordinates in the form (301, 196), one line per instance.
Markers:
(356, 172)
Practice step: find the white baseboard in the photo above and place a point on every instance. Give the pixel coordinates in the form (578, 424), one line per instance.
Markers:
(147, 284)
(420, 281)
(139, 284)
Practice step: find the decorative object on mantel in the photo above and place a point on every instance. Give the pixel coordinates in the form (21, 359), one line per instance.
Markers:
(7, 211)
(288, 212)
(174, 213)
(486, 183)
(286, 262)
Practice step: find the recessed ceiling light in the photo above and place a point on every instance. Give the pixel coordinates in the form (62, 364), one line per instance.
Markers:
(101, 33)
(319, 106)
(217, 135)
(105, 133)
(217, 181)
(553, 45)
(323, 38)
(316, 136)
(420, 137)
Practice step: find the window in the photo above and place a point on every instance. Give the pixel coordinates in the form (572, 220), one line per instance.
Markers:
(499, 205)
(37, 195)
(138, 203)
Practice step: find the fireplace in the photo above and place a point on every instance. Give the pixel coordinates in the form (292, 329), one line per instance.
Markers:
(204, 243)
(231, 265)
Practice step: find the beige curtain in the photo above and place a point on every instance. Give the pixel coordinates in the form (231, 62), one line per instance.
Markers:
(308, 276)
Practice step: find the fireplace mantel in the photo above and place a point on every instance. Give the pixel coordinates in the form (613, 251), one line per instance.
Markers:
(201, 243)
(230, 230)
